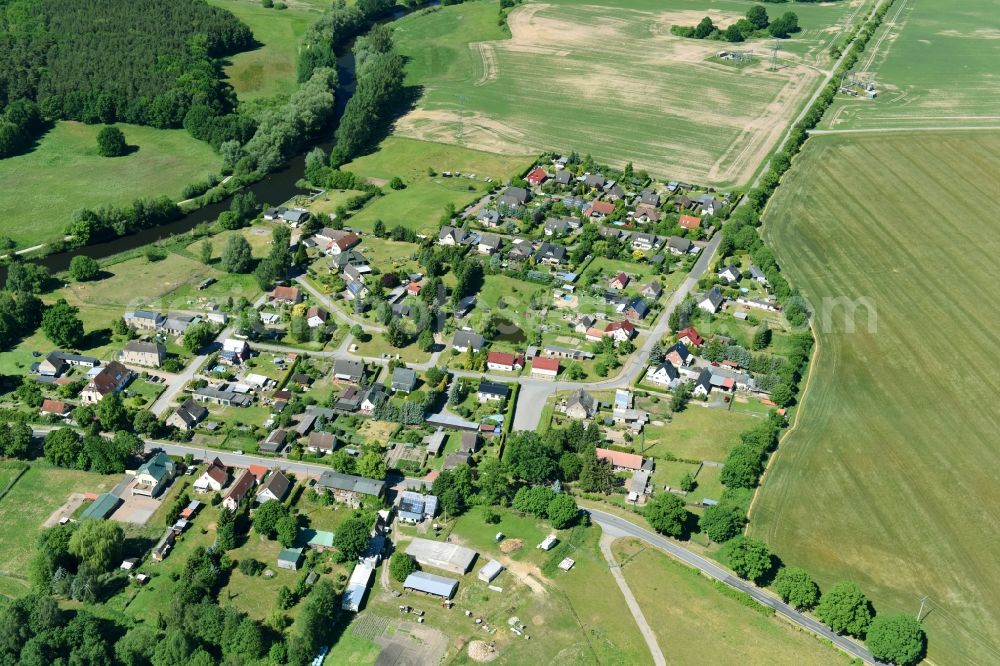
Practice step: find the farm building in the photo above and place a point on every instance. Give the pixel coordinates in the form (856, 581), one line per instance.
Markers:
(357, 586)
(414, 507)
(438, 586)
(348, 488)
(440, 555)
(289, 558)
(102, 507)
(490, 571)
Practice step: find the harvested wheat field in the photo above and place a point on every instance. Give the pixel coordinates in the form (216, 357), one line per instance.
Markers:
(610, 80)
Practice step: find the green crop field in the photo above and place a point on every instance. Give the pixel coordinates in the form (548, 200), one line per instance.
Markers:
(888, 477)
(42, 188)
(270, 68)
(933, 68)
(695, 623)
(611, 80)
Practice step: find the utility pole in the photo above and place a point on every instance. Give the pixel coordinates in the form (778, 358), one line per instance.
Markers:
(921, 611)
(774, 56)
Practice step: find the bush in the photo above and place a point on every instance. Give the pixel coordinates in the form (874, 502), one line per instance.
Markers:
(111, 142)
(402, 565)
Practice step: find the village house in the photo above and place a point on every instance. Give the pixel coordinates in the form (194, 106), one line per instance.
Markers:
(513, 198)
(404, 379)
(690, 337)
(55, 363)
(521, 250)
(449, 235)
(456, 458)
(340, 242)
(492, 391)
(143, 320)
(758, 276)
(213, 479)
(652, 290)
(346, 370)
(729, 274)
(285, 295)
(621, 461)
(275, 441)
(553, 351)
(703, 384)
(139, 352)
(488, 244)
(488, 218)
(689, 222)
(550, 254)
(678, 246)
(222, 396)
(646, 215)
(177, 324)
(465, 340)
(679, 355)
(469, 442)
(581, 405)
(111, 379)
(556, 227)
(153, 475)
(504, 362)
(544, 368)
(594, 180)
(274, 488)
(620, 281)
(636, 309)
(234, 352)
(664, 374)
(236, 492)
(321, 443)
(712, 301)
(56, 408)
(585, 323)
(758, 304)
(620, 331)
(350, 489)
(537, 176)
(374, 396)
(187, 415)
(599, 209)
(709, 205)
(316, 317)
(643, 241)
(649, 197)
(415, 507)
(464, 306)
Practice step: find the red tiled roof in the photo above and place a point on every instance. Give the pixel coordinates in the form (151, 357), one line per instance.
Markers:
(689, 222)
(502, 358)
(594, 332)
(623, 325)
(285, 293)
(346, 241)
(537, 175)
(54, 406)
(620, 458)
(242, 485)
(603, 207)
(257, 471)
(691, 333)
(540, 363)
(414, 288)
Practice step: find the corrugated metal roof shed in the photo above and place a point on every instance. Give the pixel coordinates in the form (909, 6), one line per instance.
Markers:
(429, 583)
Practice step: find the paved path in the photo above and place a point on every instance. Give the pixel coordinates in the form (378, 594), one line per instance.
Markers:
(175, 383)
(336, 311)
(633, 605)
(615, 526)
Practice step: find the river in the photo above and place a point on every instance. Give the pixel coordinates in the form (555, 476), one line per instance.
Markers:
(273, 189)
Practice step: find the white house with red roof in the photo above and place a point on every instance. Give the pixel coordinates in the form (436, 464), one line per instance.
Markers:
(544, 368)
(620, 460)
(620, 281)
(690, 336)
(504, 362)
(537, 176)
(620, 331)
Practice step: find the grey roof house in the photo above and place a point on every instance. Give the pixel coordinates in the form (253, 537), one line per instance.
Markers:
(404, 379)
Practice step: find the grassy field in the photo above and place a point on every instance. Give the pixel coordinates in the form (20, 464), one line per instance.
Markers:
(269, 69)
(30, 501)
(888, 477)
(557, 81)
(421, 204)
(42, 188)
(932, 69)
(697, 433)
(697, 624)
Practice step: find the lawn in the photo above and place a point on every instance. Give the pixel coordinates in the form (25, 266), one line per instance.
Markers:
(30, 501)
(695, 623)
(698, 433)
(269, 69)
(556, 81)
(64, 172)
(420, 205)
(932, 69)
(888, 477)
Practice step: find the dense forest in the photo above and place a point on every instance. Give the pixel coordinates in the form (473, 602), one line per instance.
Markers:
(113, 60)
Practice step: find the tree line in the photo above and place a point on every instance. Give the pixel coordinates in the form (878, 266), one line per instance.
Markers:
(756, 23)
(104, 61)
(334, 30)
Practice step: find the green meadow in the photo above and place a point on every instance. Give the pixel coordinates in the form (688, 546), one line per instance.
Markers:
(64, 172)
(888, 477)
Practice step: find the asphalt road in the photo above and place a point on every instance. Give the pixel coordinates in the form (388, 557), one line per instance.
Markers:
(174, 383)
(619, 527)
